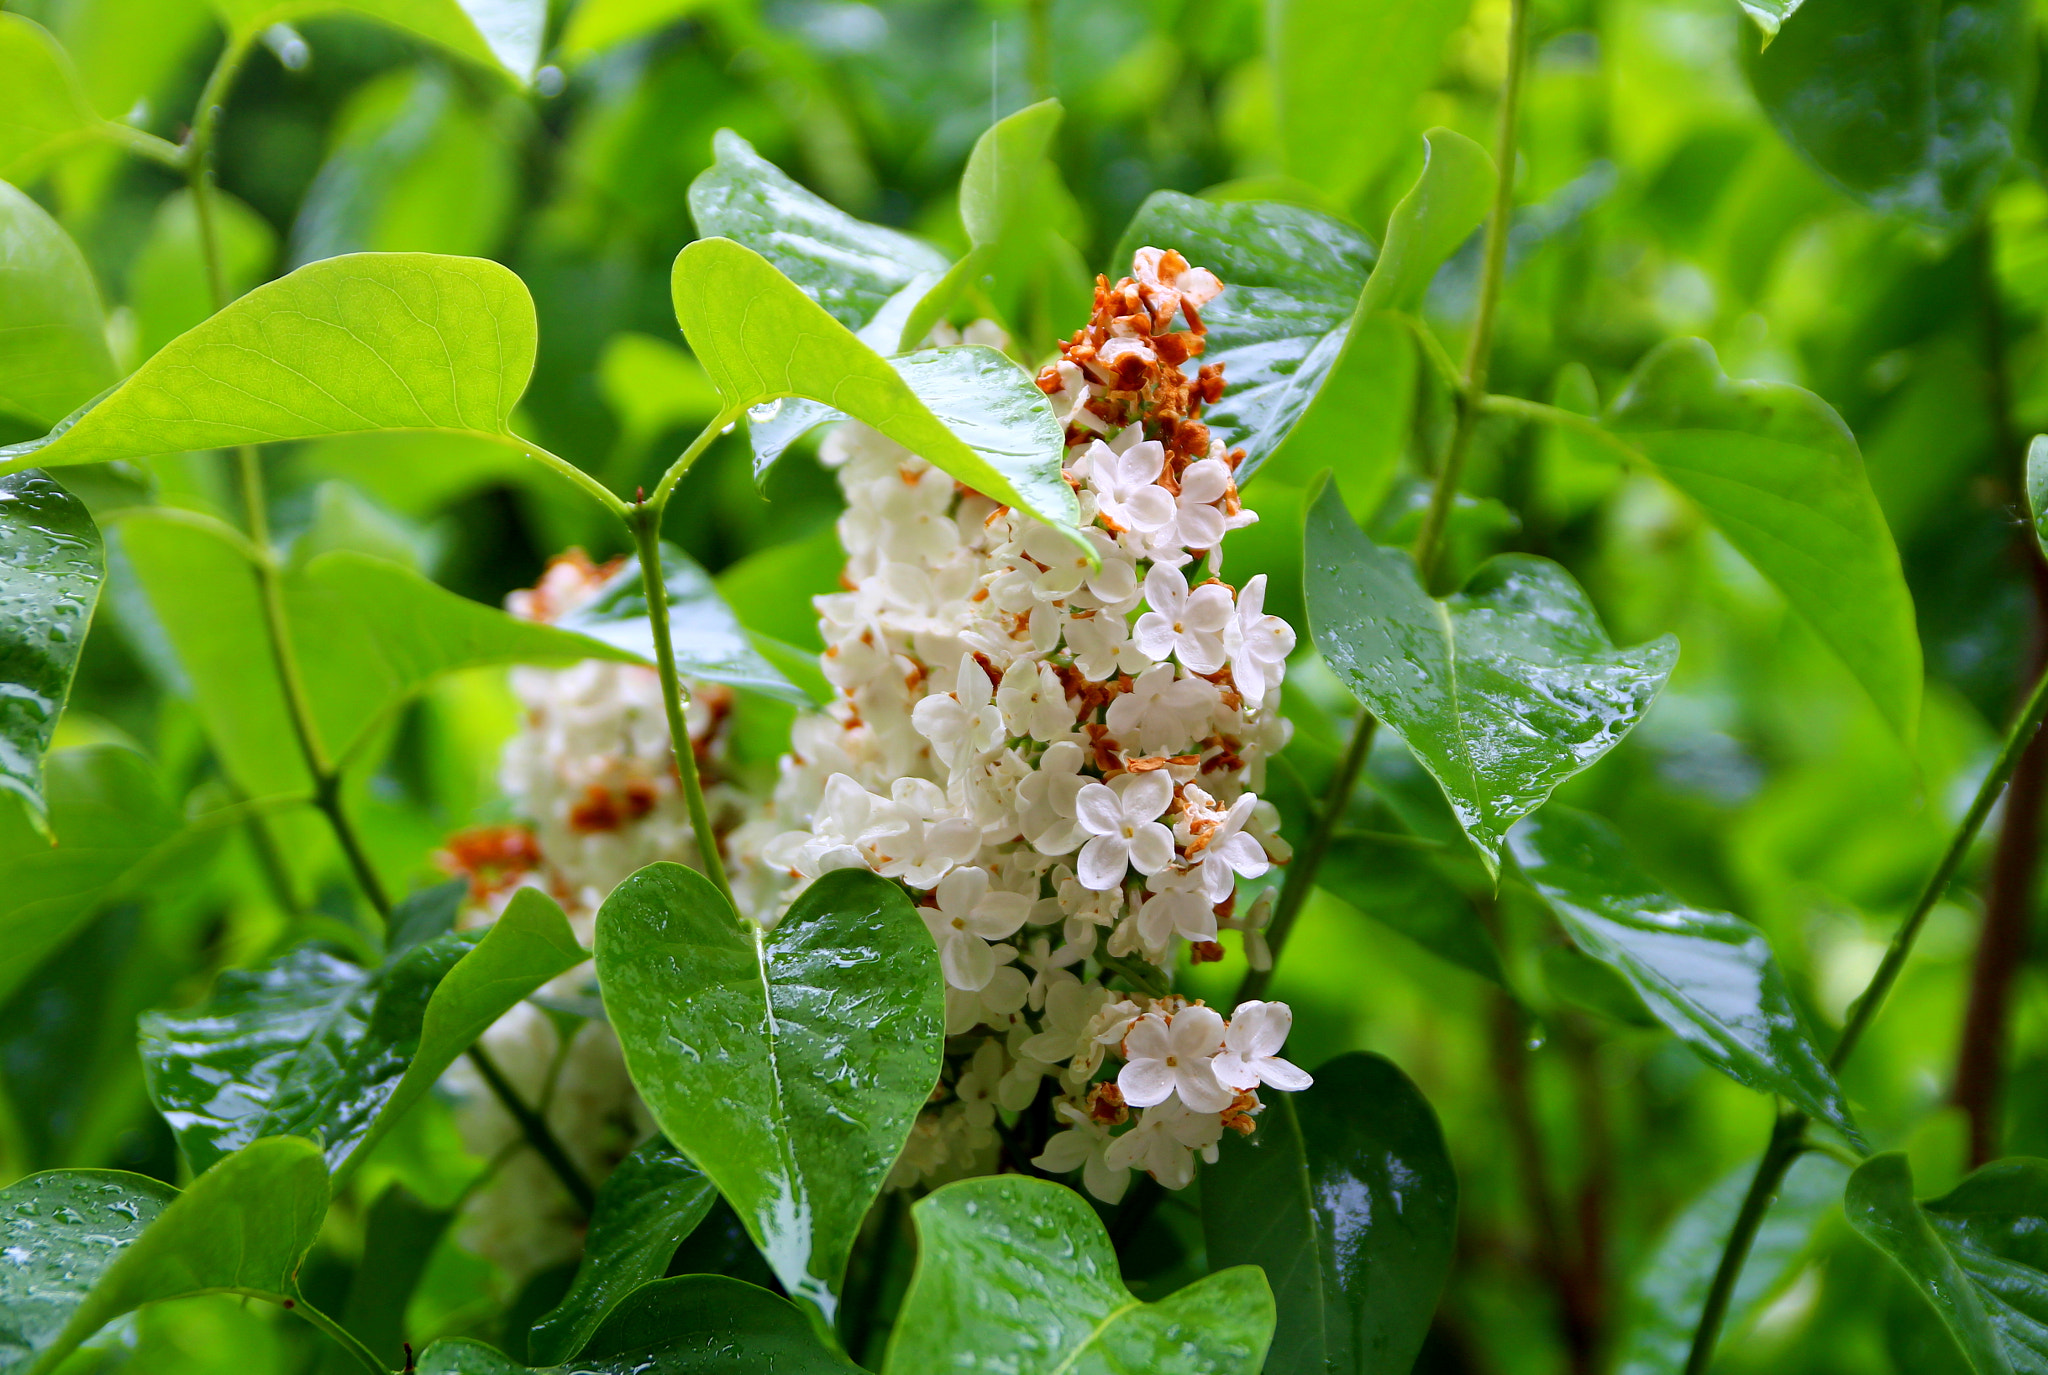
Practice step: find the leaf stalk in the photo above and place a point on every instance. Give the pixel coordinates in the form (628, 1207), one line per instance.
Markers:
(535, 1129)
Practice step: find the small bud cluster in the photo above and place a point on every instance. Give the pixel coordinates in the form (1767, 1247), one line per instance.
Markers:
(1058, 755)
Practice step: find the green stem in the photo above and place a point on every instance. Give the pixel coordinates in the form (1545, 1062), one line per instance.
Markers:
(646, 526)
(1301, 874)
(589, 484)
(535, 1129)
(720, 423)
(1479, 347)
(1786, 1146)
(340, 1335)
(142, 144)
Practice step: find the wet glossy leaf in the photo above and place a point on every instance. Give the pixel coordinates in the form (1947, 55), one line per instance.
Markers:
(2037, 488)
(1668, 1291)
(789, 1064)
(1779, 474)
(1346, 76)
(312, 1045)
(967, 410)
(373, 341)
(167, 286)
(688, 1325)
(645, 1208)
(849, 267)
(1017, 1276)
(51, 564)
(1910, 106)
(1708, 976)
(46, 112)
(369, 634)
(503, 34)
(53, 339)
(1292, 279)
(117, 836)
(1978, 1254)
(1502, 691)
(1345, 1197)
(708, 640)
(241, 1228)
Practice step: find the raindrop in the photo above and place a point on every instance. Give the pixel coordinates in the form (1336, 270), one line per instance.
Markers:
(765, 412)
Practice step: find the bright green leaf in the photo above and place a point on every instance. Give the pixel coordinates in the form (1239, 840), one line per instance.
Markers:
(51, 564)
(1709, 976)
(1670, 1287)
(1779, 474)
(645, 1208)
(1016, 1276)
(600, 24)
(502, 34)
(761, 339)
(687, 1325)
(1291, 282)
(1913, 107)
(1346, 75)
(241, 1228)
(59, 1232)
(703, 630)
(167, 286)
(822, 1037)
(312, 1045)
(1978, 1255)
(46, 111)
(2037, 487)
(53, 340)
(1345, 1197)
(1503, 691)
(118, 836)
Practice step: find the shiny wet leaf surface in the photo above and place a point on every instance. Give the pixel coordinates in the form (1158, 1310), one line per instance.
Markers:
(51, 564)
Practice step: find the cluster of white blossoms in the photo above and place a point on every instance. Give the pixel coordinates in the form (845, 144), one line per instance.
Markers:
(1060, 756)
(591, 776)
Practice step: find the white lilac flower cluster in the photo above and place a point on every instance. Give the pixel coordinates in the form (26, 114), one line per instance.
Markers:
(591, 776)
(1059, 755)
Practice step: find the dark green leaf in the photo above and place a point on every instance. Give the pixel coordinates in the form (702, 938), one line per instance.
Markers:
(1346, 1198)
(849, 267)
(240, 1228)
(423, 915)
(1502, 691)
(117, 836)
(761, 339)
(1708, 976)
(653, 1200)
(1976, 1254)
(53, 339)
(51, 564)
(1670, 1288)
(46, 111)
(399, 1236)
(312, 1045)
(1346, 76)
(1779, 474)
(1400, 887)
(1292, 279)
(688, 1325)
(1017, 1276)
(1910, 106)
(788, 1064)
(706, 635)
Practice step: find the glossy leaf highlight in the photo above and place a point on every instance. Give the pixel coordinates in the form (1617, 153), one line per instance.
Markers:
(1345, 1197)
(788, 1064)
(1503, 691)
(1016, 1276)
(51, 565)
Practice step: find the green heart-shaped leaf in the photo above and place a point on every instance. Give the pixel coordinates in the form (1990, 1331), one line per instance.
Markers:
(312, 1045)
(1292, 278)
(51, 564)
(688, 1325)
(1978, 1254)
(788, 1064)
(1779, 474)
(1346, 76)
(1345, 1197)
(761, 339)
(118, 836)
(46, 112)
(1503, 691)
(1911, 106)
(53, 338)
(645, 1208)
(1016, 1276)
(99, 1243)
(1709, 976)
(501, 34)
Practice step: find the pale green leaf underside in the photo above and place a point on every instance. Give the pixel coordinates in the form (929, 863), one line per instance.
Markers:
(53, 339)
